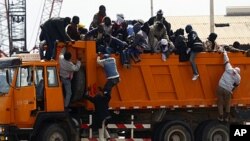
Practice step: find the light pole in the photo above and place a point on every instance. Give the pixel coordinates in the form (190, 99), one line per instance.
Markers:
(151, 7)
(211, 16)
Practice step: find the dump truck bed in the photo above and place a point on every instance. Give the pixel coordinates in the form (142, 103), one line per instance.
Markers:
(153, 83)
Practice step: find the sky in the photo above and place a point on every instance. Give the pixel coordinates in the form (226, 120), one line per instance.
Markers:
(131, 9)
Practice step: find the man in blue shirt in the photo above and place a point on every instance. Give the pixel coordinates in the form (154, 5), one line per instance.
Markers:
(112, 75)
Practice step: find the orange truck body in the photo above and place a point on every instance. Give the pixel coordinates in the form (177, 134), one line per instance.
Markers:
(153, 83)
(152, 91)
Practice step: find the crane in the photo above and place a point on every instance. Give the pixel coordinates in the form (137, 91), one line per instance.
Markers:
(13, 23)
(4, 27)
(13, 26)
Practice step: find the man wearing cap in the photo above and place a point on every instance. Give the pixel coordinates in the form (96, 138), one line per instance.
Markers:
(228, 82)
(112, 75)
(166, 48)
(159, 17)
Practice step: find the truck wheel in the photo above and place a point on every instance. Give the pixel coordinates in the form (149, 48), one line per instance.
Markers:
(156, 133)
(53, 133)
(215, 131)
(199, 130)
(175, 132)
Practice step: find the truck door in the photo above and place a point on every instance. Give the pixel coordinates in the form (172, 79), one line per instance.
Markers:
(54, 100)
(40, 87)
(5, 96)
(24, 95)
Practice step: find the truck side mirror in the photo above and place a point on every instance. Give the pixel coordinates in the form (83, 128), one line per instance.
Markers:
(8, 78)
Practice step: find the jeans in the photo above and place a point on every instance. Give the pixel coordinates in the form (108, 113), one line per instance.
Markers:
(224, 100)
(68, 93)
(110, 84)
(192, 61)
(51, 50)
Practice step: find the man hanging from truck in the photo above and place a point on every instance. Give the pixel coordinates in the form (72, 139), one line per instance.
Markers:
(67, 69)
(110, 68)
(228, 82)
(101, 114)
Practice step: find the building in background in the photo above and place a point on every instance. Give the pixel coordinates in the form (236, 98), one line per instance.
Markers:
(234, 26)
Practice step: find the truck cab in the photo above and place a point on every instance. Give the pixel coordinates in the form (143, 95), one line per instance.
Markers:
(27, 88)
(32, 99)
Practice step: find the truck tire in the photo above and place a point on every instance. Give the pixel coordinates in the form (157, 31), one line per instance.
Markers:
(175, 132)
(215, 131)
(199, 130)
(78, 84)
(53, 133)
(156, 133)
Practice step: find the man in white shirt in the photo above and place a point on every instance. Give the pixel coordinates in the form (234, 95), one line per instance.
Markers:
(67, 69)
(228, 82)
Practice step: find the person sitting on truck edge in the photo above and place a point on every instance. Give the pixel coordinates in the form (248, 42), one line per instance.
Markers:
(227, 84)
(54, 29)
(97, 19)
(67, 69)
(159, 18)
(234, 48)
(82, 30)
(181, 45)
(156, 33)
(97, 35)
(107, 25)
(115, 45)
(135, 48)
(110, 68)
(101, 113)
(196, 46)
(72, 29)
(211, 45)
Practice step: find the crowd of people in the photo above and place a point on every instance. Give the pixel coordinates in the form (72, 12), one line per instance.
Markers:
(129, 39)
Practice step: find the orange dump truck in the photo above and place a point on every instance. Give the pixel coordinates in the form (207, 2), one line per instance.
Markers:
(155, 99)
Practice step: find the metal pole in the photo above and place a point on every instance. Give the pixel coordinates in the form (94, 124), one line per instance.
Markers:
(151, 7)
(132, 129)
(90, 129)
(211, 16)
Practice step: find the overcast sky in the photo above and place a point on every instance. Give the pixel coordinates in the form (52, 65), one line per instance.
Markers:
(132, 9)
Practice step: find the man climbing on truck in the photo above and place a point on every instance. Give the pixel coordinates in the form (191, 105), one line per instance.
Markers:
(228, 82)
(67, 69)
(101, 113)
(112, 75)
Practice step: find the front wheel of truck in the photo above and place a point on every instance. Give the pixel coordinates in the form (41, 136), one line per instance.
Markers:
(53, 132)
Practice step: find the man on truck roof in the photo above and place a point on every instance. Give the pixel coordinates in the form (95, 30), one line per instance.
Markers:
(51, 30)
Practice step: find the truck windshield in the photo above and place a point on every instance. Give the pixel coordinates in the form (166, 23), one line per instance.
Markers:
(4, 86)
